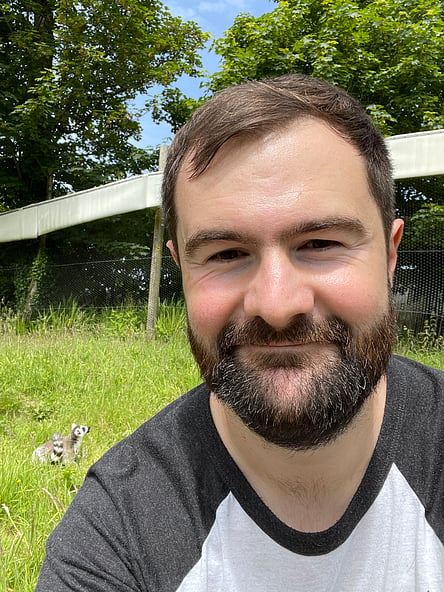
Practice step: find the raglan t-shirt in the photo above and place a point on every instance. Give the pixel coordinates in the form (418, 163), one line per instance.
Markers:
(167, 510)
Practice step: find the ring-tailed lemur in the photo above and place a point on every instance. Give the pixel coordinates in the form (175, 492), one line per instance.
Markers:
(62, 449)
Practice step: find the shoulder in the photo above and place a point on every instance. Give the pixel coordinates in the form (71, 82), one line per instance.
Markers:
(171, 433)
(416, 399)
(159, 472)
(416, 394)
(406, 372)
(403, 364)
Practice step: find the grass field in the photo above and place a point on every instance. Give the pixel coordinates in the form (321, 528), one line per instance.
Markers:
(108, 378)
(112, 380)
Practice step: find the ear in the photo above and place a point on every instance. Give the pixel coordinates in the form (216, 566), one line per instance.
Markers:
(73, 425)
(395, 239)
(173, 252)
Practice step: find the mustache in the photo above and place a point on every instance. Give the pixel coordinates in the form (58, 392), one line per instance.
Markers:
(301, 329)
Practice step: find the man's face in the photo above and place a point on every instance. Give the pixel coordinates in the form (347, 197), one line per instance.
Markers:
(285, 272)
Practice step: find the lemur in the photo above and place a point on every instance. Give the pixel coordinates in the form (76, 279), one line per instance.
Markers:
(62, 449)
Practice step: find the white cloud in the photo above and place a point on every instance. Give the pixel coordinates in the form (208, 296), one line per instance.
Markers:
(227, 6)
(216, 15)
(239, 5)
(180, 9)
(212, 7)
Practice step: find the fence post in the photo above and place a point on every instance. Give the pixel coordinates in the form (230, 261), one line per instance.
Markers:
(156, 260)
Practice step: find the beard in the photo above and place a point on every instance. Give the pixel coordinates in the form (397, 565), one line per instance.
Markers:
(298, 400)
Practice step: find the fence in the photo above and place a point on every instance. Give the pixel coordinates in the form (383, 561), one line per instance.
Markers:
(419, 277)
(112, 283)
(100, 284)
(419, 296)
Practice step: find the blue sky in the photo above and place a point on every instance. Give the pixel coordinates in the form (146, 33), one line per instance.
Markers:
(215, 16)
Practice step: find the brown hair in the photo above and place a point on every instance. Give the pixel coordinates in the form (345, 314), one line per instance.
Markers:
(257, 107)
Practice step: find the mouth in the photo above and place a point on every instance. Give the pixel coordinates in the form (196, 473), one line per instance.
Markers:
(290, 345)
(287, 351)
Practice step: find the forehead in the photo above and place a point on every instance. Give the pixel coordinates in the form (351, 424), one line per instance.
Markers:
(301, 169)
(295, 129)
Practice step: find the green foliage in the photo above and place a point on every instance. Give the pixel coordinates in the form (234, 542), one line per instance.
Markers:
(171, 319)
(7, 317)
(173, 107)
(425, 229)
(69, 73)
(427, 340)
(387, 53)
(124, 321)
(65, 316)
(21, 282)
(26, 276)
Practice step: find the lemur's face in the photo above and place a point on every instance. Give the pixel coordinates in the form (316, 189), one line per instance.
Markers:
(80, 430)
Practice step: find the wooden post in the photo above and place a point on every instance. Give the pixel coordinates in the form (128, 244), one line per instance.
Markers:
(39, 265)
(156, 261)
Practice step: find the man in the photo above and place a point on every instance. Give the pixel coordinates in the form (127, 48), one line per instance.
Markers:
(310, 459)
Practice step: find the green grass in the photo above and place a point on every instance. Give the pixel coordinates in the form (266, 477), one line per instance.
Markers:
(98, 372)
(432, 357)
(47, 382)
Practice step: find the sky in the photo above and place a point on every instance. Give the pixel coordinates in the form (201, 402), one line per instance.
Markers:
(214, 16)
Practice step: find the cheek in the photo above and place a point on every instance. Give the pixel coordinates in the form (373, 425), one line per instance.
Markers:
(358, 300)
(209, 310)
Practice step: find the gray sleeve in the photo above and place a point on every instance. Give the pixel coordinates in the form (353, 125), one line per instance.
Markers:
(90, 551)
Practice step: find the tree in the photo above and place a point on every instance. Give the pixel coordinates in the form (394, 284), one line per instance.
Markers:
(68, 73)
(173, 107)
(389, 54)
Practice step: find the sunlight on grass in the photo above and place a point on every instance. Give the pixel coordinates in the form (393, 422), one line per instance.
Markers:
(50, 379)
(100, 372)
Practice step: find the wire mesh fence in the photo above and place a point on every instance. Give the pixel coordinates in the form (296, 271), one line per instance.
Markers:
(102, 284)
(419, 278)
(117, 282)
(418, 289)
(418, 285)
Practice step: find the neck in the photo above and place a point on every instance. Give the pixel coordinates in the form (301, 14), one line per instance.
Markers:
(307, 490)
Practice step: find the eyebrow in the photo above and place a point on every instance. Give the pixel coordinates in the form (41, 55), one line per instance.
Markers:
(345, 223)
(204, 237)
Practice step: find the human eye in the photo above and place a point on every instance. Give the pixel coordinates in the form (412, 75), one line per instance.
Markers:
(320, 245)
(227, 255)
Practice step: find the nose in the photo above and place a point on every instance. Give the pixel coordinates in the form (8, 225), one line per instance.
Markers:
(278, 290)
